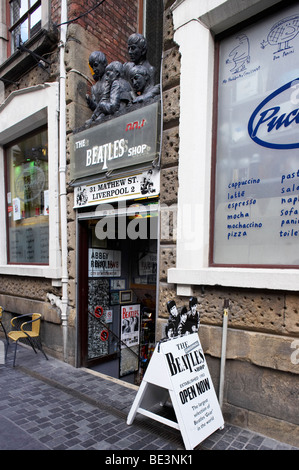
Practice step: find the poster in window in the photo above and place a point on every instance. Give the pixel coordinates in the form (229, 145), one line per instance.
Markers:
(104, 263)
(16, 204)
(130, 323)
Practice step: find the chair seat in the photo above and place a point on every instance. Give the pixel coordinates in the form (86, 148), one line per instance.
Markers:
(16, 335)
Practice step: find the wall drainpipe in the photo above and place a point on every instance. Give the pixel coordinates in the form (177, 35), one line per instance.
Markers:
(223, 351)
(62, 180)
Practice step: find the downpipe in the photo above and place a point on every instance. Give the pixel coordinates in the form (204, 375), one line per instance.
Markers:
(223, 352)
(62, 179)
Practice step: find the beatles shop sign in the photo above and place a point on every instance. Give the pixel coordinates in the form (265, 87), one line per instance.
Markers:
(124, 141)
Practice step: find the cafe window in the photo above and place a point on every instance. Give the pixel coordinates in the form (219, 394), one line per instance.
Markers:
(27, 199)
(255, 215)
(25, 20)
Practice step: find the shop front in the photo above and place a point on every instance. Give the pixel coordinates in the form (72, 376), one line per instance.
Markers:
(116, 199)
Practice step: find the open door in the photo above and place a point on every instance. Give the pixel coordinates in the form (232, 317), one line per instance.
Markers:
(117, 295)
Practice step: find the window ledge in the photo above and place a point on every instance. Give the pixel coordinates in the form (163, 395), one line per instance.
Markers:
(30, 270)
(19, 62)
(256, 278)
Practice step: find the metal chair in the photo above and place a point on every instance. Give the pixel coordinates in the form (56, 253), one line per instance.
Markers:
(28, 330)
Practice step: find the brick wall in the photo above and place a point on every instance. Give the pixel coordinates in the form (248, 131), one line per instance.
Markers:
(111, 23)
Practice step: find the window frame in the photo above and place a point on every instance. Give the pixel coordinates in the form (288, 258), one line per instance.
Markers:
(37, 106)
(235, 30)
(26, 16)
(10, 144)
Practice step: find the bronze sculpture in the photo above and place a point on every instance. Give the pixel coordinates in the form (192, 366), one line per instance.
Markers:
(137, 49)
(116, 92)
(97, 64)
(118, 85)
(140, 80)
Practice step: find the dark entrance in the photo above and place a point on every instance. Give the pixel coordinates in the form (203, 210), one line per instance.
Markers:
(117, 293)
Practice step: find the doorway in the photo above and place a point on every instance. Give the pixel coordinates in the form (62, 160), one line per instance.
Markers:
(117, 293)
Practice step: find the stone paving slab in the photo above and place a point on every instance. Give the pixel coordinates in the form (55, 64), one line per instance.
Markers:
(50, 405)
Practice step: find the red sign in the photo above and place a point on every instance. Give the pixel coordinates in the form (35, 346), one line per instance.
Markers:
(104, 335)
(98, 312)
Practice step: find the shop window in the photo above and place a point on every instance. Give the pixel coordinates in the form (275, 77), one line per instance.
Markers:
(25, 21)
(27, 199)
(255, 219)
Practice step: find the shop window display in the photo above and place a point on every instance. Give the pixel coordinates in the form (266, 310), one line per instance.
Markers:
(27, 199)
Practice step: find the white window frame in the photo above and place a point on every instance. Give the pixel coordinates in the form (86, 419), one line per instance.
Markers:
(26, 17)
(24, 111)
(195, 24)
(4, 33)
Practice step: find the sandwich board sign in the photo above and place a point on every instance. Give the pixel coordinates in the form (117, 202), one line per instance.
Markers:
(178, 369)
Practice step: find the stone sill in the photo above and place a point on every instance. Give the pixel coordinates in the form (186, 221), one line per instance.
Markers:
(255, 278)
(20, 62)
(30, 270)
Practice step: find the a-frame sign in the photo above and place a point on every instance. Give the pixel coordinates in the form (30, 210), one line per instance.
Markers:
(178, 370)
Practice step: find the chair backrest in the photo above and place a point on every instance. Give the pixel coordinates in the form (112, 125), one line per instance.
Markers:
(36, 324)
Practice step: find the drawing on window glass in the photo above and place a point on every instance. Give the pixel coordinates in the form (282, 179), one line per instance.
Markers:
(30, 182)
(282, 33)
(240, 55)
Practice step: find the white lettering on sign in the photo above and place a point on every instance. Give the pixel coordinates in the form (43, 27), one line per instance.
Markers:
(103, 153)
(137, 150)
(81, 143)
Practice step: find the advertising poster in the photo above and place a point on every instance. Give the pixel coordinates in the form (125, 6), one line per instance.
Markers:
(16, 203)
(104, 263)
(147, 264)
(130, 321)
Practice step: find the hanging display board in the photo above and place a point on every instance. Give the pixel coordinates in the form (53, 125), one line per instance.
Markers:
(178, 369)
(124, 141)
(135, 186)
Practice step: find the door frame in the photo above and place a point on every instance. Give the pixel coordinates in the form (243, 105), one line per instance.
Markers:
(82, 219)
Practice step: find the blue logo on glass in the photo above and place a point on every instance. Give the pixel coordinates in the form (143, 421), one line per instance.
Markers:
(265, 120)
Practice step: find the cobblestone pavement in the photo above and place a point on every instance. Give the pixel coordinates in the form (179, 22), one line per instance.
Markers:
(50, 405)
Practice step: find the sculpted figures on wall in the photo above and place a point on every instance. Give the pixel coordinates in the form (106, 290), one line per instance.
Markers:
(118, 86)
